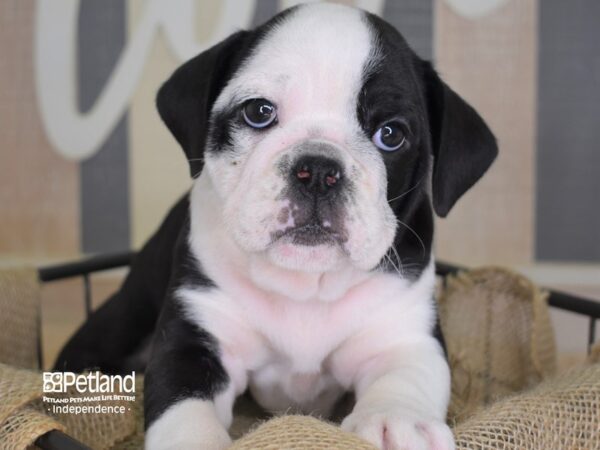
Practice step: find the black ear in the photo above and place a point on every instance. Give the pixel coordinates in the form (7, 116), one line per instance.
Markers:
(184, 101)
(463, 145)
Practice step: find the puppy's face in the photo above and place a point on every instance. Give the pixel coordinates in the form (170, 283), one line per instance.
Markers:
(318, 138)
(300, 177)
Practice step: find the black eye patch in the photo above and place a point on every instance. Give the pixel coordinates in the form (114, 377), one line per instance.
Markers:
(223, 124)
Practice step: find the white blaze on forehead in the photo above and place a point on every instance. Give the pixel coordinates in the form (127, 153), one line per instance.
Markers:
(311, 63)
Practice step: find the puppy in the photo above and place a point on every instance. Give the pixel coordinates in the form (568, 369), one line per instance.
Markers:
(299, 267)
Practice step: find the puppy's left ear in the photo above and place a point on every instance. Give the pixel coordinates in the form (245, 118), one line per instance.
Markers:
(463, 145)
(185, 100)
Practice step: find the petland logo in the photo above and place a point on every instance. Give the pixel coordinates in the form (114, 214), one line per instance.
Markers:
(93, 382)
(92, 392)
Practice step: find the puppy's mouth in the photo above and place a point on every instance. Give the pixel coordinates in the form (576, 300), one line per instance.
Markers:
(310, 235)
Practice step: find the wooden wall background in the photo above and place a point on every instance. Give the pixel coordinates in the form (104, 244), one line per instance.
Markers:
(491, 62)
(489, 57)
(39, 189)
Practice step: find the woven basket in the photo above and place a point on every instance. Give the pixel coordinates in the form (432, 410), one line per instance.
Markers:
(498, 335)
(507, 348)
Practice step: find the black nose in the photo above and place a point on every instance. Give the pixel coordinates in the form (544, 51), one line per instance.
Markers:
(317, 175)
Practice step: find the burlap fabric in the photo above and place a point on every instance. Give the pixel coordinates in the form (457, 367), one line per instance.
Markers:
(24, 416)
(133, 439)
(100, 430)
(19, 317)
(498, 335)
(557, 414)
(300, 433)
(561, 413)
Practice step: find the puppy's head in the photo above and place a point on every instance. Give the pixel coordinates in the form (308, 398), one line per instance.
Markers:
(326, 138)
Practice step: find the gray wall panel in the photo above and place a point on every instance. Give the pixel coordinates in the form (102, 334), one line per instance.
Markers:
(414, 19)
(265, 9)
(568, 156)
(104, 176)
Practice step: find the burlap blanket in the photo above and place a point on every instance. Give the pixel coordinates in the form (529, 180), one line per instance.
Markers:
(498, 334)
(500, 345)
(562, 413)
(19, 317)
(23, 415)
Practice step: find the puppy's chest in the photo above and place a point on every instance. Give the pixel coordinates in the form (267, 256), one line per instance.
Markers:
(263, 331)
(290, 351)
(283, 346)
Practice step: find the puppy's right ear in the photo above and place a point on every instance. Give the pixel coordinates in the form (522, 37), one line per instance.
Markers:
(185, 100)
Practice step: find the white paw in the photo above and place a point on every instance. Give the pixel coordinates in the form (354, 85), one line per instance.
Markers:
(397, 431)
(190, 424)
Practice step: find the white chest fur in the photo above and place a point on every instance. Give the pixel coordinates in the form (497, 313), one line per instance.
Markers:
(295, 338)
(304, 353)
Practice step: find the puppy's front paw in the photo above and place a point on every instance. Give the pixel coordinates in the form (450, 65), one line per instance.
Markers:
(397, 431)
(191, 424)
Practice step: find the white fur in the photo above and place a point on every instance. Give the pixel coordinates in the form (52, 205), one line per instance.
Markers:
(299, 325)
(311, 67)
(370, 333)
(189, 424)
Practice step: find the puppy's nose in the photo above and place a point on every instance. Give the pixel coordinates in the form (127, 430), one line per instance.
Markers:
(317, 175)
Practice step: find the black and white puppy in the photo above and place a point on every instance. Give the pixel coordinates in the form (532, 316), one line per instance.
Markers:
(300, 265)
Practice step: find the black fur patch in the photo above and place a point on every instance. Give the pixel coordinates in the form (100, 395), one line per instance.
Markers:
(223, 123)
(186, 360)
(185, 364)
(391, 91)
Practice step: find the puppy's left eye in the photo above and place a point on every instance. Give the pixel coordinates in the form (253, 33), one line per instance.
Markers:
(259, 113)
(390, 137)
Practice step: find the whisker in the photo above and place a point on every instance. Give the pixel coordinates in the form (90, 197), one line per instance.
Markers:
(398, 264)
(415, 233)
(409, 190)
(393, 248)
(394, 266)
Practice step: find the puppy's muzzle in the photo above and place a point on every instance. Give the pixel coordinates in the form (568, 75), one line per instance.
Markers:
(317, 176)
(316, 195)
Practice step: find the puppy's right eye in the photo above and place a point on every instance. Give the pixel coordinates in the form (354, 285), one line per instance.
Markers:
(259, 113)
